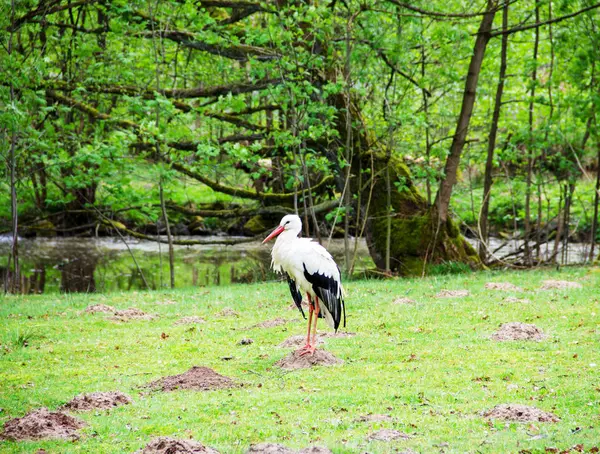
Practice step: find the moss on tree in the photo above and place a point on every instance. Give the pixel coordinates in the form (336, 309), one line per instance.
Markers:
(417, 240)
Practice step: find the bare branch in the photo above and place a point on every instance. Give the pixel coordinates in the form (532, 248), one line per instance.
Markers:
(541, 24)
(438, 13)
(50, 8)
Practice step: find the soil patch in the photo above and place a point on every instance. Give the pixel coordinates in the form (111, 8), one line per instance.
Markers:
(319, 358)
(552, 285)
(375, 418)
(271, 323)
(133, 313)
(167, 445)
(98, 400)
(453, 294)
(275, 448)
(388, 435)
(197, 378)
(192, 320)
(505, 286)
(512, 299)
(518, 331)
(99, 308)
(520, 413)
(299, 340)
(228, 312)
(40, 424)
(404, 300)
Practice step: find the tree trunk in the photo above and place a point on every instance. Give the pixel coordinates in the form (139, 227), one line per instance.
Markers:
(489, 164)
(14, 280)
(452, 162)
(530, 157)
(417, 239)
(596, 201)
(169, 237)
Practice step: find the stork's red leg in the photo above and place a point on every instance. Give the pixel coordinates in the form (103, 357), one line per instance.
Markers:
(307, 346)
(313, 346)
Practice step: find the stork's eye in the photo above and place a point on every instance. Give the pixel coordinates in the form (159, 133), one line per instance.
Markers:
(287, 223)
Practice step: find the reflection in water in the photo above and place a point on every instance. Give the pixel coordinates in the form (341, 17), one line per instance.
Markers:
(78, 275)
(28, 283)
(88, 265)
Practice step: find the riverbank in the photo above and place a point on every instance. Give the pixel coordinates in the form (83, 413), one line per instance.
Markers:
(407, 368)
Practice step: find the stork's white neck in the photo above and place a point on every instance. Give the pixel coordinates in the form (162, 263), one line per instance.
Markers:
(287, 236)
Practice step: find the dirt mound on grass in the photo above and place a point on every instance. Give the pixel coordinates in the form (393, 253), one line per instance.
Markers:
(133, 313)
(453, 294)
(167, 445)
(520, 413)
(388, 435)
(271, 323)
(99, 308)
(192, 320)
(227, 312)
(518, 331)
(505, 286)
(275, 448)
(552, 285)
(40, 424)
(299, 340)
(297, 361)
(404, 300)
(197, 378)
(98, 400)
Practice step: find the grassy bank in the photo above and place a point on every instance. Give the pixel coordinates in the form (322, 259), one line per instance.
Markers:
(430, 365)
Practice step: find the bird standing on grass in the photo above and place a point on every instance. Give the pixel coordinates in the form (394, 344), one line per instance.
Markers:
(309, 269)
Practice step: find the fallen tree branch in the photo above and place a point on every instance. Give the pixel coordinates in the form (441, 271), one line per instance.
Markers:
(181, 93)
(226, 241)
(322, 207)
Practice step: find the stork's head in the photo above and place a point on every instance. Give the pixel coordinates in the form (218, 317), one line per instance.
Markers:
(289, 223)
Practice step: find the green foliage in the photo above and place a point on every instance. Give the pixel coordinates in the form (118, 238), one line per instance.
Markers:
(97, 121)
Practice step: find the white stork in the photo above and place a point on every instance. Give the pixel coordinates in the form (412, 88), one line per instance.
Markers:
(309, 269)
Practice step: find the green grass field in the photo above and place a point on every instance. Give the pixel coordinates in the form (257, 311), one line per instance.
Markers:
(429, 365)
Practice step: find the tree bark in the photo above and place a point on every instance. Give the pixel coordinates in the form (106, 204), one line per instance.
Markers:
(452, 162)
(596, 201)
(169, 237)
(489, 164)
(14, 280)
(530, 157)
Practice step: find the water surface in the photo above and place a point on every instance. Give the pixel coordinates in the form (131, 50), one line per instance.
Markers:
(50, 265)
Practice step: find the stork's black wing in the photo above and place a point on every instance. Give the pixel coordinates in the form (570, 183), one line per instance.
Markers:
(328, 290)
(296, 295)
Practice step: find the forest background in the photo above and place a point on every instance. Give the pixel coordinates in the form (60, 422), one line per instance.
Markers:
(413, 124)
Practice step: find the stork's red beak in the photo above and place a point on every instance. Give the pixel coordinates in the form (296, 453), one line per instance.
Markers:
(273, 234)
